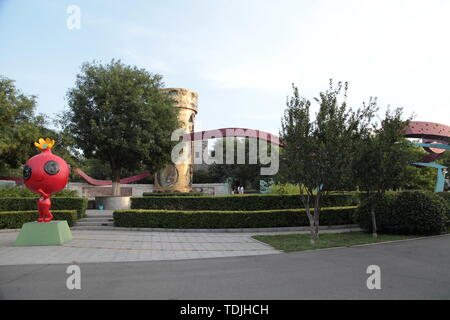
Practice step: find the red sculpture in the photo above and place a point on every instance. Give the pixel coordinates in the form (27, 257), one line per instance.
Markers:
(430, 133)
(45, 174)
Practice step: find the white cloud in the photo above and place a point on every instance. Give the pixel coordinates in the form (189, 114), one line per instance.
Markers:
(396, 50)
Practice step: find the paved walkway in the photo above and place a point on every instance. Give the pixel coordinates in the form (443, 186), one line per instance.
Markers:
(113, 246)
(110, 244)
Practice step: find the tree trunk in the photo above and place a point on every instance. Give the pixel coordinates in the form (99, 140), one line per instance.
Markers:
(116, 182)
(316, 226)
(312, 235)
(305, 200)
(316, 215)
(374, 223)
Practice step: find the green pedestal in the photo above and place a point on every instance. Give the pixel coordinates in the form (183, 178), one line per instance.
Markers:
(51, 233)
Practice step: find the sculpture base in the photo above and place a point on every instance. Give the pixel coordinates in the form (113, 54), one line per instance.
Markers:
(113, 202)
(53, 233)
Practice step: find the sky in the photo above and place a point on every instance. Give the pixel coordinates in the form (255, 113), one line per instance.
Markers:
(240, 56)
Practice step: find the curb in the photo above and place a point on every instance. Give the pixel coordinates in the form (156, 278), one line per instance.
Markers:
(365, 244)
(347, 227)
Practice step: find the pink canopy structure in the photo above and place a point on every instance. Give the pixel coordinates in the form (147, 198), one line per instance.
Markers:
(431, 133)
(435, 140)
(428, 130)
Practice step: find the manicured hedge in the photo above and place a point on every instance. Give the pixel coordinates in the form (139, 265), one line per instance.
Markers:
(174, 194)
(446, 197)
(239, 202)
(228, 219)
(23, 204)
(417, 212)
(15, 219)
(22, 192)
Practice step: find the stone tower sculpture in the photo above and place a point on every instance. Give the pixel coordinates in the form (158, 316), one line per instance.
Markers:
(178, 177)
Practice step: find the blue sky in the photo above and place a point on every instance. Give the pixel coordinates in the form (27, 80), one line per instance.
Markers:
(240, 56)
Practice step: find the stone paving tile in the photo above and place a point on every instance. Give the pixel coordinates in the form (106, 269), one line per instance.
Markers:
(110, 246)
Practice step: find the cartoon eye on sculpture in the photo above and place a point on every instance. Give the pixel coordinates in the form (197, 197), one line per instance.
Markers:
(45, 174)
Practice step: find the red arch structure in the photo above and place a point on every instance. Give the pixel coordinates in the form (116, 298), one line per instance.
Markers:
(431, 133)
(234, 132)
(428, 131)
(195, 136)
(97, 182)
(90, 180)
(435, 140)
(17, 180)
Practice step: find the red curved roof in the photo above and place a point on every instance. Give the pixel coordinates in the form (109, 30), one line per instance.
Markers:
(431, 133)
(428, 130)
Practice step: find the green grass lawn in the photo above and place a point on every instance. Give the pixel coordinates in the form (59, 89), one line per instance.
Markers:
(300, 242)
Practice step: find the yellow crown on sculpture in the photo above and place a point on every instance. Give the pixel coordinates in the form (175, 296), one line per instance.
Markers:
(46, 144)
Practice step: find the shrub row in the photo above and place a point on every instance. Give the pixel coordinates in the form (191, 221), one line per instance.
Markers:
(24, 204)
(417, 212)
(239, 202)
(229, 219)
(15, 219)
(22, 192)
(446, 197)
(173, 194)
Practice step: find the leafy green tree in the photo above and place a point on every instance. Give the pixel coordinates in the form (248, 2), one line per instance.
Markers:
(203, 176)
(445, 159)
(95, 168)
(118, 114)
(285, 188)
(419, 178)
(64, 147)
(245, 174)
(384, 159)
(319, 152)
(19, 125)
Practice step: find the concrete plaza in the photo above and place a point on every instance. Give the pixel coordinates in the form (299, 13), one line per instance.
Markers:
(114, 246)
(92, 243)
(412, 269)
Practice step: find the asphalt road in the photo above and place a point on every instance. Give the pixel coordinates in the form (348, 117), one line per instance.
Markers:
(417, 269)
